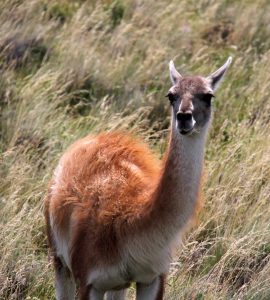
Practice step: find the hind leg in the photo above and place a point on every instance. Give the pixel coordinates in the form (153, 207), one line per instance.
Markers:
(116, 295)
(152, 291)
(64, 282)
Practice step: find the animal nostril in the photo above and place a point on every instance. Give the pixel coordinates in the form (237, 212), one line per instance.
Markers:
(184, 116)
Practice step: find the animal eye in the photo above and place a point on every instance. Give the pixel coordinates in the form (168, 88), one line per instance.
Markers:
(171, 97)
(206, 98)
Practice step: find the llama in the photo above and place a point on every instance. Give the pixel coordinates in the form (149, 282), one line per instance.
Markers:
(114, 213)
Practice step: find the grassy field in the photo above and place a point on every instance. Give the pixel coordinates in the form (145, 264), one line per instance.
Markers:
(68, 68)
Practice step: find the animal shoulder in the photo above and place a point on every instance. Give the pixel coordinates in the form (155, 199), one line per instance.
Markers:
(111, 175)
(109, 152)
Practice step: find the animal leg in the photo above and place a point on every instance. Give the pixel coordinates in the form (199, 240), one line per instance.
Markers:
(90, 293)
(152, 291)
(64, 282)
(116, 295)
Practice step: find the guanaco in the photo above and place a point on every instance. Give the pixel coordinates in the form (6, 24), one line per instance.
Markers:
(114, 213)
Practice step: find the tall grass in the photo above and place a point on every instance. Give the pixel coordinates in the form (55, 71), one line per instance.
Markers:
(68, 68)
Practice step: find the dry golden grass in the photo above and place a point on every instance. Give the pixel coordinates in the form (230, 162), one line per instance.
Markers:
(68, 68)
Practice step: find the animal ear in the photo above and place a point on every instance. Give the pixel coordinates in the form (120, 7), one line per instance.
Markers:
(174, 74)
(216, 77)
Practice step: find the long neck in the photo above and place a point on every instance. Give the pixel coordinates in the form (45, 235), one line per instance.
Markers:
(177, 191)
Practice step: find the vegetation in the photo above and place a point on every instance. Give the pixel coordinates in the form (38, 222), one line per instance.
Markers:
(69, 68)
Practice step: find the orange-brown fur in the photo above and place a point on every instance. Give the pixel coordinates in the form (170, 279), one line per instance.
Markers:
(105, 212)
(107, 198)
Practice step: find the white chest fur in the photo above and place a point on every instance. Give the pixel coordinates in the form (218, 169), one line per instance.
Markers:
(142, 261)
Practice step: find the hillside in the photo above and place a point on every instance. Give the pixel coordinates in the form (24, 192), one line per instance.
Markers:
(69, 68)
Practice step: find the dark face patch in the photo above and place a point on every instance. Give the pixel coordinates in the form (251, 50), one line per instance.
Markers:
(191, 96)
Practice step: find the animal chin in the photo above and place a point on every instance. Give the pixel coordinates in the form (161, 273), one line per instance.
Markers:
(186, 132)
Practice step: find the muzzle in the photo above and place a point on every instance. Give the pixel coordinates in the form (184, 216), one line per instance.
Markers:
(185, 122)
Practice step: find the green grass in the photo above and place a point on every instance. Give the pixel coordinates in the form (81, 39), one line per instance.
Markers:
(68, 68)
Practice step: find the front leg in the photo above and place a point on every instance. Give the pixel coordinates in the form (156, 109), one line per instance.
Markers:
(116, 295)
(152, 291)
(64, 282)
(88, 292)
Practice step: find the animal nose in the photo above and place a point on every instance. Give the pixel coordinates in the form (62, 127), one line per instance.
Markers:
(184, 117)
(185, 122)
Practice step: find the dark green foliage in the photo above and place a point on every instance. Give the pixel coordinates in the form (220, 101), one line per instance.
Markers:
(60, 12)
(117, 12)
(21, 54)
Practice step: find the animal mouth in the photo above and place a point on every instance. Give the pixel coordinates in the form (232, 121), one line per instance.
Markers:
(186, 132)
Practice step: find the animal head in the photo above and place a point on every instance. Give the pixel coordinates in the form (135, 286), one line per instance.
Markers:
(191, 98)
